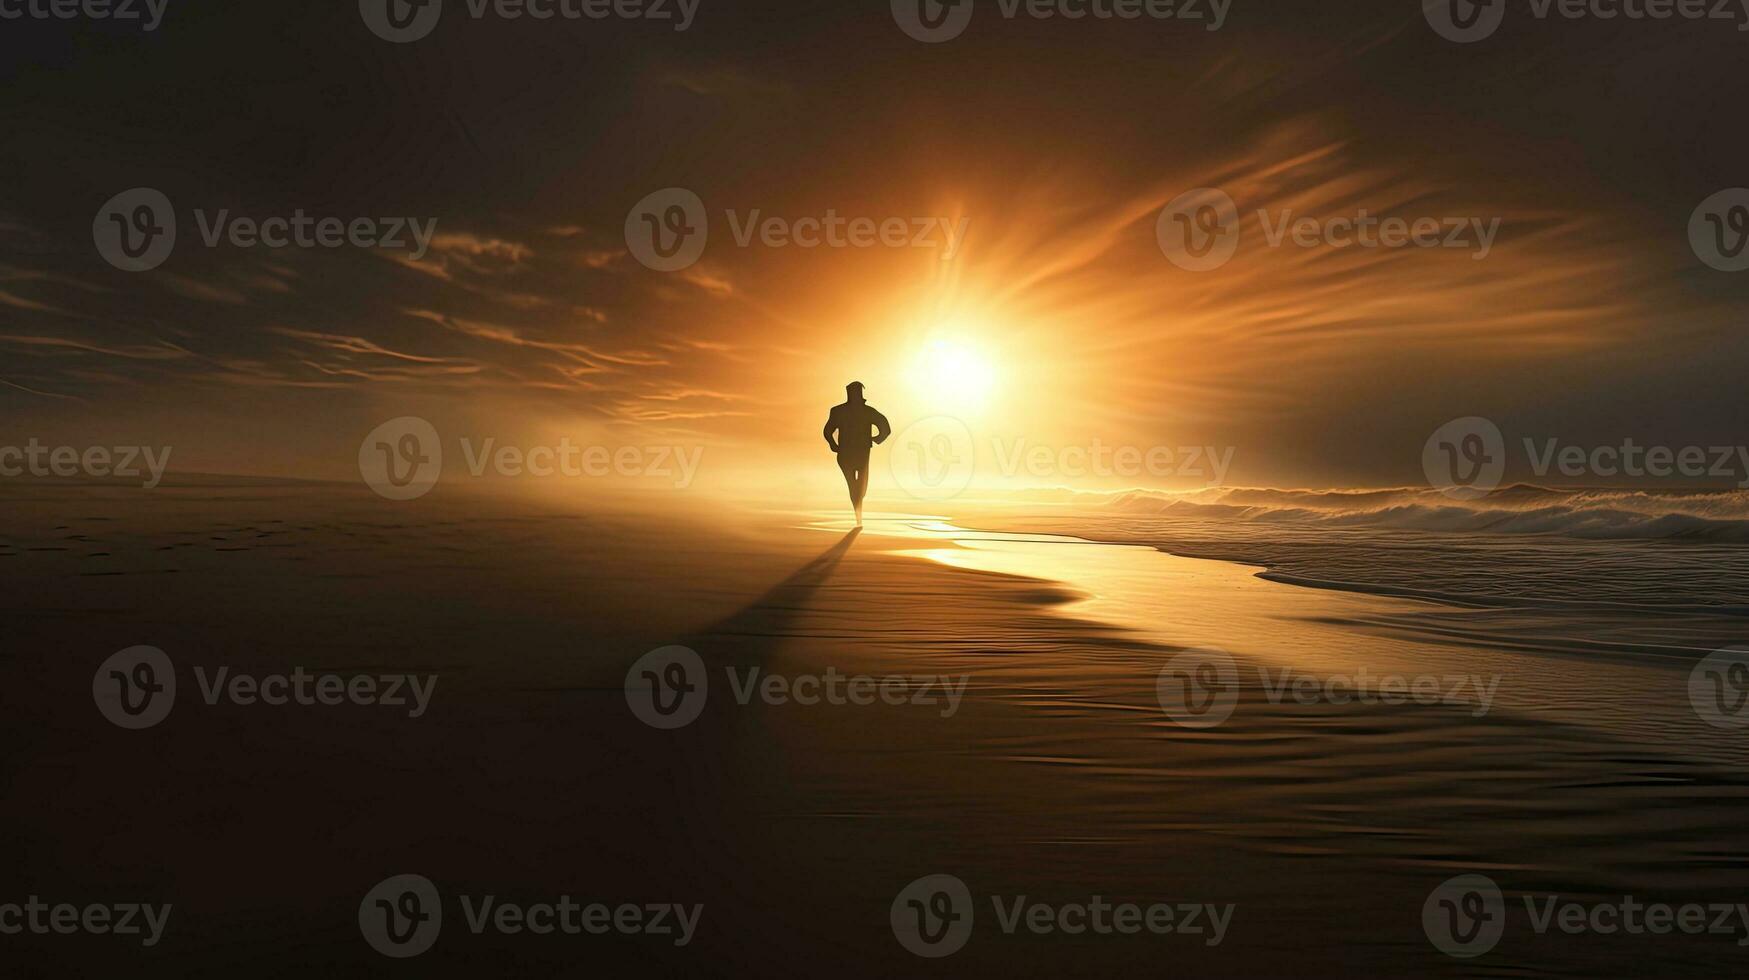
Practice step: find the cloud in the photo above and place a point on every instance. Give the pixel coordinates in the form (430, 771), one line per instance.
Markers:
(462, 252)
(65, 345)
(355, 345)
(500, 334)
(33, 391)
(195, 289)
(20, 303)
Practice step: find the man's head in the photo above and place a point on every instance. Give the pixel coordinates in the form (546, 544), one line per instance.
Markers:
(853, 391)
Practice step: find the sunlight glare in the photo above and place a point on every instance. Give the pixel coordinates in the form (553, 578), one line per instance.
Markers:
(953, 374)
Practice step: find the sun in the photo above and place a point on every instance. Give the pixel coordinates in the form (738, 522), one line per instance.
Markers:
(952, 373)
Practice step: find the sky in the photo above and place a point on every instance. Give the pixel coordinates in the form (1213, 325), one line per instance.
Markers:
(1049, 146)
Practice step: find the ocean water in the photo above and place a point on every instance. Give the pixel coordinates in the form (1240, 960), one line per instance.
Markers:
(1567, 752)
(1564, 754)
(1602, 572)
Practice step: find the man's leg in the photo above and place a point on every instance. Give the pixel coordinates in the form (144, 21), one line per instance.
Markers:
(848, 465)
(856, 475)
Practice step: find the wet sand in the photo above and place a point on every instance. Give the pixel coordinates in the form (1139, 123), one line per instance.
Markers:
(1058, 777)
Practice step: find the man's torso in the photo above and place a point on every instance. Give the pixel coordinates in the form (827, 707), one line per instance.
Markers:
(855, 424)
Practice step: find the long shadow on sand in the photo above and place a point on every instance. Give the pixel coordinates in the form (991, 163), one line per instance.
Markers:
(770, 616)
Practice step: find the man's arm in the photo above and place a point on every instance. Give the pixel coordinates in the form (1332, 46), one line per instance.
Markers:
(883, 428)
(830, 432)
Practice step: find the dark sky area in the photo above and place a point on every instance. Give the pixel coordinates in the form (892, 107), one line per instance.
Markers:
(528, 142)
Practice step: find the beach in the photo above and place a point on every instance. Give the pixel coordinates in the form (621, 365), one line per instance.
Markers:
(942, 693)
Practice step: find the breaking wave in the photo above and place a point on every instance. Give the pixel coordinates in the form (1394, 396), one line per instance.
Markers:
(1701, 516)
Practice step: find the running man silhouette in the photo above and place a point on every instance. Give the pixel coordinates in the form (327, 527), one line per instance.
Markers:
(848, 433)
